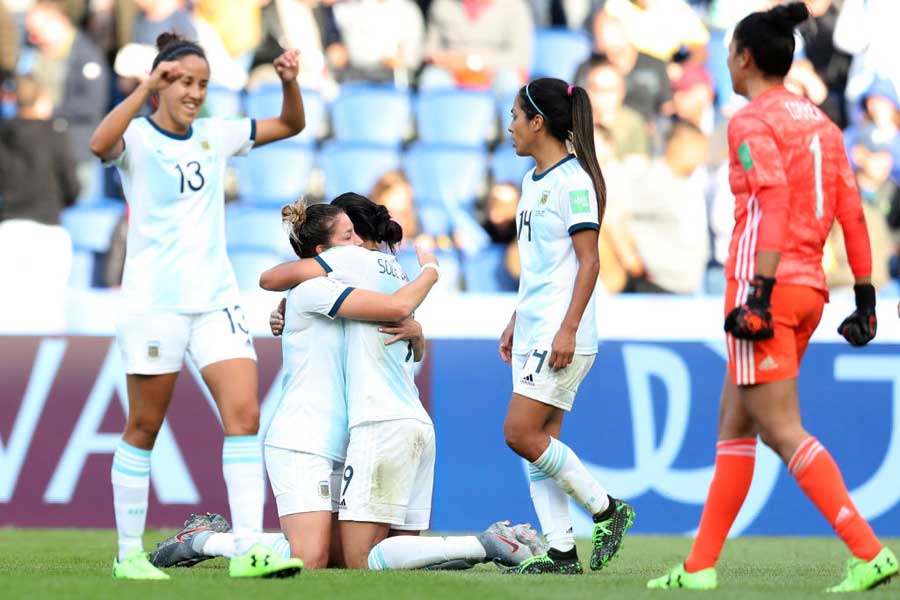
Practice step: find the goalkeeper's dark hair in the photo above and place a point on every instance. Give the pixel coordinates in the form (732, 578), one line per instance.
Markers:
(566, 110)
(371, 221)
(309, 226)
(769, 36)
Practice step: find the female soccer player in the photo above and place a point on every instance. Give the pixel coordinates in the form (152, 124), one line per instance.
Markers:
(790, 177)
(551, 339)
(179, 292)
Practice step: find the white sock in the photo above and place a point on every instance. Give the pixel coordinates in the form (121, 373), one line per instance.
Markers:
(130, 476)
(559, 462)
(222, 544)
(243, 470)
(411, 552)
(552, 507)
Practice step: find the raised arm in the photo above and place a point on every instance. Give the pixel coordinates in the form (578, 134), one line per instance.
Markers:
(292, 119)
(290, 274)
(106, 143)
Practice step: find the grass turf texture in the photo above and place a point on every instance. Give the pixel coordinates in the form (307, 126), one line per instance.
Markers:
(77, 563)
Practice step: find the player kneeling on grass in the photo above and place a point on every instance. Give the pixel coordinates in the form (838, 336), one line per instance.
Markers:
(791, 178)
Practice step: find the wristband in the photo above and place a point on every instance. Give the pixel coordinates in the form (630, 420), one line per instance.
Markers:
(434, 266)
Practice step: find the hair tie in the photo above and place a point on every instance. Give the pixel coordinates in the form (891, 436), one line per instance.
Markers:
(569, 90)
(528, 95)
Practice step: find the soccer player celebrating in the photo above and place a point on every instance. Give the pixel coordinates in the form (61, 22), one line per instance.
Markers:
(551, 339)
(790, 177)
(179, 290)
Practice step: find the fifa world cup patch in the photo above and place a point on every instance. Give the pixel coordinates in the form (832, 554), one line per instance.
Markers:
(580, 201)
(744, 155)
(152, 349)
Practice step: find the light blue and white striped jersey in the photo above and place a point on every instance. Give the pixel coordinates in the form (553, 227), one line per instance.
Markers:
(312, 414)
(380, 379)
(176, 259)
(554, 205)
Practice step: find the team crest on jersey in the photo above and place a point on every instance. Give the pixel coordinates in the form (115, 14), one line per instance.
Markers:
(324, 489)
(545, 196)
(204, 144)
(152, 349)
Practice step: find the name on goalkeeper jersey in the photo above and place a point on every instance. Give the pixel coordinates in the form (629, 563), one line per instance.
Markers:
(803, 111)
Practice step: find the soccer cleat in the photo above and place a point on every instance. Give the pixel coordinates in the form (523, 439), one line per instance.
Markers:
(136, 565)
(678, 578)
(459, 564)
(608, 534)
(528, 535)
(262, 562)
(864, 575)
(502, 546)
(185, 548)
(549, 563)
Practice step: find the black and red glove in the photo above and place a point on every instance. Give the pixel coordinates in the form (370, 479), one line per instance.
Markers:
(860, 327)
(752, 319)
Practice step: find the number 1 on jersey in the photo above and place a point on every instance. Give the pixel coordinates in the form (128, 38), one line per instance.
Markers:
(815, 146)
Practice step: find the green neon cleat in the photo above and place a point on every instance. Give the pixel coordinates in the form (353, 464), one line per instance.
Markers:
(547, 564)
(262, 562)
(136, 565)
(679, 579)
(864, 575)
(608, 535)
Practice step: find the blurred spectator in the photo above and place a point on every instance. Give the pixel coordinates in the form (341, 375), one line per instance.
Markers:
(665, 220)
(613, 275)
(74, 74)
(693, 96)
(647, 88)
(874, 154)
(560, 13)
(502, 201)
(9, 43)
(238, 23)
(830, 64)
(479, 44)
(661, 27)
(37, 180)
(606, 88)
(382, 40)
(879, 131)
(159, 16)
(292, 24)
(867, 29)
(394, 192)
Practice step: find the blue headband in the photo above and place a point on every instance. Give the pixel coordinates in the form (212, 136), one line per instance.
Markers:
(528, 95)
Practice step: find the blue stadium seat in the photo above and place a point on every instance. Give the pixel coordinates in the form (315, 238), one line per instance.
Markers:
(223, 102)
(434, 219)
(249, 262)
(82, 274)
(257, 227)
(558, 52)
(91, 225)
(485, 272)
(264, 102)
(508, 167)
(461, 117)
(275, 174)
(371, 114)
(355, 167)
(445, 175)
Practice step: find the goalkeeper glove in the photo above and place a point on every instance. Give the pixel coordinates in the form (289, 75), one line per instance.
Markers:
(752, 319)
(860, 327)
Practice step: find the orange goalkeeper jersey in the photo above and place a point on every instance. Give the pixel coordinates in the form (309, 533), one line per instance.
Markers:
(790, 177)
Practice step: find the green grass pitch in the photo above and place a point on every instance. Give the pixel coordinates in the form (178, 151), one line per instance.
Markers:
(76, 564)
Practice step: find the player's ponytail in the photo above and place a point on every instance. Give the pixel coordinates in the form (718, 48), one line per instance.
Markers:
(371, 221)
(309, 226)
(566, 110)
(171, 45)
(583, 143)
(769, 36)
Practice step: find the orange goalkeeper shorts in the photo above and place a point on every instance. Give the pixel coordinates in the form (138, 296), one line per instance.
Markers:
(796, 311)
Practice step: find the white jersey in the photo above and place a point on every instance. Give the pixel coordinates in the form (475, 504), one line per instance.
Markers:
(176, 259)
(312, 414)
(380, 379)
(553, 206)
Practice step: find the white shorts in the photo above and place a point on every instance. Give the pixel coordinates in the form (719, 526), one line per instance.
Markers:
(389, 474)
(533, 378)
(303, 482)
(154, 343)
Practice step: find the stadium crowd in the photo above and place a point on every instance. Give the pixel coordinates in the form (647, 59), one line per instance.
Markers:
(407, 102)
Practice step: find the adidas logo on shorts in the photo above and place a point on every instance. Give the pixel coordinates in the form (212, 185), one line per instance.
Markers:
(529, 379)
(768, 364)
